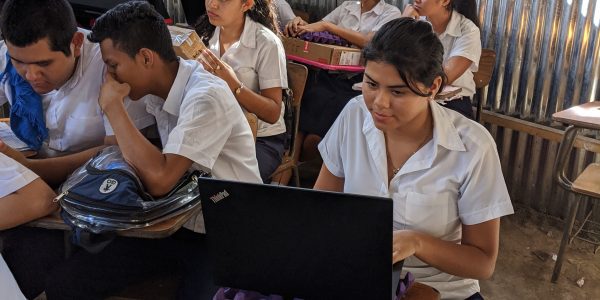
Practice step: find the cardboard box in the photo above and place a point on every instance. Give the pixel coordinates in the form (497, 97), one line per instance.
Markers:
(186, 42)
(322, 53)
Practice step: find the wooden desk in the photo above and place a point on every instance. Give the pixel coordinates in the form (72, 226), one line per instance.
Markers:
(156, 231)
(584, 116)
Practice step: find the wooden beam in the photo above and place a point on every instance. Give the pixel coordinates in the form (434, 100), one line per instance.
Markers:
(538, 130)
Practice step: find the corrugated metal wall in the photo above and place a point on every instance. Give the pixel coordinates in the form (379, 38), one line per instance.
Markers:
(548, 59)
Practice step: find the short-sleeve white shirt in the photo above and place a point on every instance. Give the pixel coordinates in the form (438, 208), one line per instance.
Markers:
(284, 12)
(73, 117)
(258, 60)
(348, 15)
(8, 286)
(13, 176)
(201, 120)
(454, 179)
(462, 38)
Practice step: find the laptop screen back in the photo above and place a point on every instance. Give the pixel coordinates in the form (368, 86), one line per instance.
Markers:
(298, 242)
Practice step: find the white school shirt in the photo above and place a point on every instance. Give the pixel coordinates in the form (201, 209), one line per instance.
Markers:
(13, 175)
(9, 290)
(201, 120)
(258, 60)
(284, 12)
(348, 15)
(454, 179)
(462, 38)
(73, 117)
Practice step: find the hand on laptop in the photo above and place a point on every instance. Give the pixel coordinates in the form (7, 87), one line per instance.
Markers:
(404, 244)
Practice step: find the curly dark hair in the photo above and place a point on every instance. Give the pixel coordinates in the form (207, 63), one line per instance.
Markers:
(132, 26)
(262, 12)
(24, 22)
(413, 48)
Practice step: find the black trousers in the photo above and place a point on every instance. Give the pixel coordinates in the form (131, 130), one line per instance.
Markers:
(325, 95)
(269, 152)
(36, 259)
(462, 105)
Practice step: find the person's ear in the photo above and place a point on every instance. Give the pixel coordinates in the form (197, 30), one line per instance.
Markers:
(146, 57)
(247, 5)
(77, 43)
(435, 86)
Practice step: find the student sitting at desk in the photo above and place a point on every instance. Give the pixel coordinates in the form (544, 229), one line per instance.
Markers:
(246, 52)
(441, 169)
(327, 93)
(456, 24)
(23, 197)
(201, 126)
(52, 77)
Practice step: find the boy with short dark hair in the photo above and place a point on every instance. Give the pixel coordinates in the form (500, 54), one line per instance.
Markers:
(201, 126)
(52, 78)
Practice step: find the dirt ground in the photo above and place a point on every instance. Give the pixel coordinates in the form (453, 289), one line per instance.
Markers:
(521, 274)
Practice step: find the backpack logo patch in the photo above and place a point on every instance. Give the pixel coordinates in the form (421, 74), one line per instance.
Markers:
(108, 186)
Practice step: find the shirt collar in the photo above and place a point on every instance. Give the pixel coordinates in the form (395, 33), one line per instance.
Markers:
(72, 82)
(445, 133)
(378, 9)
(248, 37)
(175, 97)
(453, 27)
(81, 61)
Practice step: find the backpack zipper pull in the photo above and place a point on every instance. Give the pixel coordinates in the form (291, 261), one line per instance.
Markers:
(60, 196)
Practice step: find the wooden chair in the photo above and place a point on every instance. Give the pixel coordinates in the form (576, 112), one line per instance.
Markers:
(253, 122)
(483, 76)
(297, 75)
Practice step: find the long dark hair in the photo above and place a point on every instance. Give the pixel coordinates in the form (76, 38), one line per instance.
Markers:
(262, 12)
(412, 48)
(467, 8)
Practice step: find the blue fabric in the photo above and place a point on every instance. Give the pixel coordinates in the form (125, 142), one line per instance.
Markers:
(26, 112)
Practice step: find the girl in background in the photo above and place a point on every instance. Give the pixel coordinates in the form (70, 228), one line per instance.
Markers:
(246, 52)
(457, 25)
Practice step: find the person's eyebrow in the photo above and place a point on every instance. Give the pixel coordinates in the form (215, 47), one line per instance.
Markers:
(47, 61)
(392, 86)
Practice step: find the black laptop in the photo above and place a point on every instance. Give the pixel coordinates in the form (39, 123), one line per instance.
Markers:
(298, 242)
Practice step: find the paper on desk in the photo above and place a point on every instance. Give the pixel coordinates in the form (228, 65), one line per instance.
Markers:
(9, 138)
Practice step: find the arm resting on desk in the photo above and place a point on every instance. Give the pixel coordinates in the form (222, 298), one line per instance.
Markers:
(33, 201)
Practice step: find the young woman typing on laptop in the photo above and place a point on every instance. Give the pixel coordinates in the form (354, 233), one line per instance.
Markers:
(440, 168)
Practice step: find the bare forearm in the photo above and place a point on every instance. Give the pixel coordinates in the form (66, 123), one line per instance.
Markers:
(31, 202)
(264, 108)
(146, 159)
(55, 170)
(354, 37)
(456, 259)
